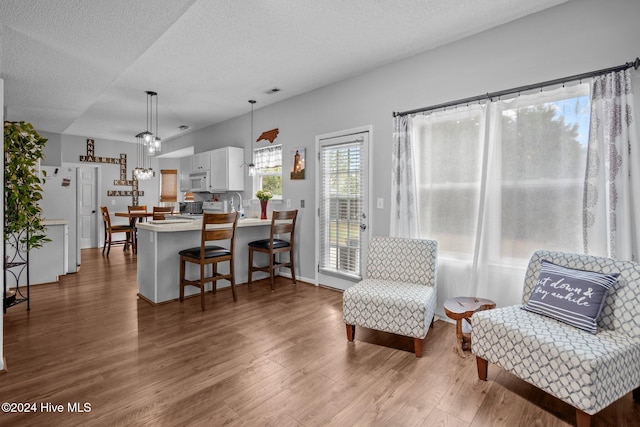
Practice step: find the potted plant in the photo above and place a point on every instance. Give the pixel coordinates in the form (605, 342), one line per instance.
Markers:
(264, 196)
(23, 222)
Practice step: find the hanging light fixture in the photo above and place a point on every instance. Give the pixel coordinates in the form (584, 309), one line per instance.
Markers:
(147, 142)
(252, 166)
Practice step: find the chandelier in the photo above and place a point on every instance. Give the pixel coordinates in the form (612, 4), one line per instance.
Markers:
(148, 143)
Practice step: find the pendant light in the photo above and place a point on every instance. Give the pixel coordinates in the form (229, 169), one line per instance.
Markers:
(147, 142)
(252, 166)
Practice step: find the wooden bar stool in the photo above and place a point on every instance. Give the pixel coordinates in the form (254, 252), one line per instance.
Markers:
(159, 212)
(282, 223)
(214, 227)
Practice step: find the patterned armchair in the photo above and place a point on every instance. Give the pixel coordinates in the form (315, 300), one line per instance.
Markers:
(587, 371)
(399, 292)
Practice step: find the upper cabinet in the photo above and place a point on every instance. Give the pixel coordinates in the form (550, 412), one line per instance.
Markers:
(227, 169)
(201, 161)
(185, 169)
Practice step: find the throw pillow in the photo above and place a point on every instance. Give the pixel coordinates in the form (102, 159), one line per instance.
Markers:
(572, 296)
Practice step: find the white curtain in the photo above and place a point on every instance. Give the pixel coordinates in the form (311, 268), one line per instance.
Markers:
(404, 218)
(268, 157)
(499, 181)
(612, 180)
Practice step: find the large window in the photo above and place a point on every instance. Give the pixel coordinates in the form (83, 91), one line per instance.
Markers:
(268, 174)
(500, 180)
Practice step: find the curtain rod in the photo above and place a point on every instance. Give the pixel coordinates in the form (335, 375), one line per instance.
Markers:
(635, 64)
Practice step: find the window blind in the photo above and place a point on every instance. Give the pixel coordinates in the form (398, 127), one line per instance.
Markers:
(341, 208)
(169, 185)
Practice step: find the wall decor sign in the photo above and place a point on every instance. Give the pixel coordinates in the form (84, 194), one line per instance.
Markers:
(269, 135)
(297, 163)
(122, 161)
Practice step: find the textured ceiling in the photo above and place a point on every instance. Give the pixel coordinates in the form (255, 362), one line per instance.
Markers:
(81, 67)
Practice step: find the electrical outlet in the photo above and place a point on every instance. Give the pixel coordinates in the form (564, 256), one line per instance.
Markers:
(380, 203)
(113, 203)
(151, 237)
(288, 203)
(302, 203)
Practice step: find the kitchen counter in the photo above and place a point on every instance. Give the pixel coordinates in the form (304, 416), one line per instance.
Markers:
(159, 263)
(183, 224)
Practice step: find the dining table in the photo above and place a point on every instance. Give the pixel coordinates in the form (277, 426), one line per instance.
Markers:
(134, 216)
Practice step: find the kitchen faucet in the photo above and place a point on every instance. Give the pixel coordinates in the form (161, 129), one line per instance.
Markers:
(233, 207)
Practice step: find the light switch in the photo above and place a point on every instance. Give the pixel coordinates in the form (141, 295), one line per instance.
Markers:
(113, 203)
(302, 203)
(288, 203)
(380, 203)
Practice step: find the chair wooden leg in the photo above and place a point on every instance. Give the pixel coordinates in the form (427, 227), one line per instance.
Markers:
(250, 269)
(417, 346)
(583, 419)
(483, 367)
(214, 272)
(351, 332)
(202, 287)
(272, 260)
(293, 271)
(233, 280)
(182, 268)
(636, 395)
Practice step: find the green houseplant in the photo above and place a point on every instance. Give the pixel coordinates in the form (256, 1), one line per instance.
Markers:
(23, 222)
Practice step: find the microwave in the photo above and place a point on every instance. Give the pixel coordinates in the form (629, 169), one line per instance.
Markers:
(199, 181)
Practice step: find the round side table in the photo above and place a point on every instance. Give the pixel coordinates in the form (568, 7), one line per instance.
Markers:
(462, 308)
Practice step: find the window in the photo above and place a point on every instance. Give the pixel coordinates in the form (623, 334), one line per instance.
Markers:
(169, 187)
(268, 174)
(500, 180)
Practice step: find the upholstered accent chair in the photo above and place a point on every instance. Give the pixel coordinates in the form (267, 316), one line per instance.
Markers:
(398, 294)
(589, 371)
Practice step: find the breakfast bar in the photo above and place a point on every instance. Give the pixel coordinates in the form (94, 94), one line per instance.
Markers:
(158, 262)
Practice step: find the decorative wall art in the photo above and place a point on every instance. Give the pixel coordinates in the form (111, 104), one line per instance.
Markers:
(269, 135)
(297, 163)
(122, 161)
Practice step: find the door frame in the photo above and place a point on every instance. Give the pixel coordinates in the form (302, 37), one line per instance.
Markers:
(368, 129)
(98, 199)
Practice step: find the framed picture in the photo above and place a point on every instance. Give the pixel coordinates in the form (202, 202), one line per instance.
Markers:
(297, 163)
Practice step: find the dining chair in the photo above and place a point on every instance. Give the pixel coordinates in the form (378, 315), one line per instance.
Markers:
(215, 227)
(111, 229)
(137, 208)
(159, 212)
(282, 223)
(133, 220)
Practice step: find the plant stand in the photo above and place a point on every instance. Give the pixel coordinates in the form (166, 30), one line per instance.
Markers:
(15, 265)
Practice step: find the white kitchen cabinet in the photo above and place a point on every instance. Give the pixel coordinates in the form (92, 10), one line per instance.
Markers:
(227, 169)
(201, 161)
(185, 170)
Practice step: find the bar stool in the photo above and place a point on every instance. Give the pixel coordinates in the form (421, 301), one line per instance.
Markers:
(110, 230)
(159, 212)
(282, 223)
(214, 227)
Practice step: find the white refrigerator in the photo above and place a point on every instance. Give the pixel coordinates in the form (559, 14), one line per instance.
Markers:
(59, 201)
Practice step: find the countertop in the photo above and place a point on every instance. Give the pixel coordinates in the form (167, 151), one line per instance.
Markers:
(173, 225)
(55, 222)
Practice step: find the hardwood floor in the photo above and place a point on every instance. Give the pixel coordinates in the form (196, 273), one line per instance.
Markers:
(277, 359)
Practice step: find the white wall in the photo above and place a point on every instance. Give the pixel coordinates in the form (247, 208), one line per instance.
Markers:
(575, 37)
(75, 146)
(2, 364)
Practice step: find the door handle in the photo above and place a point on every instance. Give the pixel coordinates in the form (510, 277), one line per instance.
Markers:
(93, 211)
(363, 227)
